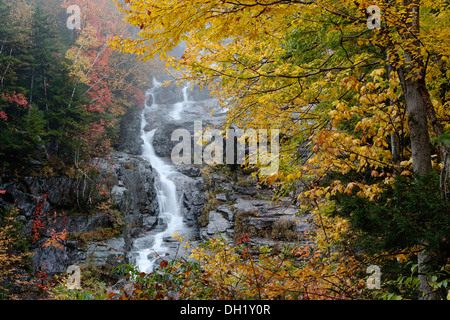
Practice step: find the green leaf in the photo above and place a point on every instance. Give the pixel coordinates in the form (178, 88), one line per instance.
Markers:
(444, 138)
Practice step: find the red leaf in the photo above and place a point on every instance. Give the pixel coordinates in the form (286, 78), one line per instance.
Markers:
(163, 264)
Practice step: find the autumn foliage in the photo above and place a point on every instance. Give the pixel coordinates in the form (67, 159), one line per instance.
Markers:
(64, 89)
(356, 107)
(110, 83)
(363, 116)
(217, 270)
(47, 224)
(11, 257)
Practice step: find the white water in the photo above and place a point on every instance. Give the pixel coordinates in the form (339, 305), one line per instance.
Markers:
(178, 107)
(152, 246)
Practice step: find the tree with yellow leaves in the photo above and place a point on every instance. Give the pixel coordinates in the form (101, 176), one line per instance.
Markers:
(364, 100)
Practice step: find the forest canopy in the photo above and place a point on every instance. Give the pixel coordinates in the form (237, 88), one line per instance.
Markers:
(63, 91)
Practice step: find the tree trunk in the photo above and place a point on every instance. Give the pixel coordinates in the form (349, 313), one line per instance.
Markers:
(412, 78)
(418, 129)
(421, 154)
(395, 148)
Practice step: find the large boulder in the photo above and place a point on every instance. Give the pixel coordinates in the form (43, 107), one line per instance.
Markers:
(111, 252)
(218, 226)
(162, 141)
(135, 190)
(50, 259)
(170, 94)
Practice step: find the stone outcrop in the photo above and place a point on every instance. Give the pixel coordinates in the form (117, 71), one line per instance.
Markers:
(129, 184)
(163, 143)
(130, 127)
(134, 191)
(235, 207)
(169, 95)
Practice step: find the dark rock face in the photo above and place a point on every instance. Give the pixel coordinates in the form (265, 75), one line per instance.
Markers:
(192, 191)
(162, 142)
(83, 224)
(170, 94)
(26, 192)
(190, 171)
(130, 128)
(50, 259)
(135, 190)
(130, 183)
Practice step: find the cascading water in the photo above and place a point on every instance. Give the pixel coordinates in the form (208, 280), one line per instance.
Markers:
(178, 108)
(151, 246)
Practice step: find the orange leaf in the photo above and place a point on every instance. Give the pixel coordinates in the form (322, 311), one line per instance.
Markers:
(163, 264)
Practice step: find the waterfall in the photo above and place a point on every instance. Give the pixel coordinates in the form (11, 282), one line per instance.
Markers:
(169, 205)
(178, 107)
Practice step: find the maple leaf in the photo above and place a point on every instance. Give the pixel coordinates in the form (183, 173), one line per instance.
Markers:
(3, 115)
